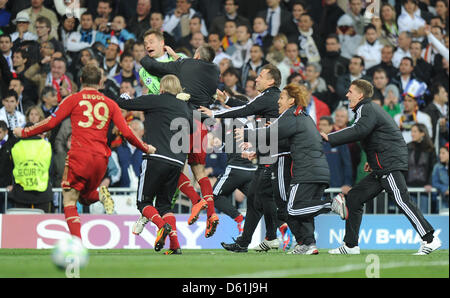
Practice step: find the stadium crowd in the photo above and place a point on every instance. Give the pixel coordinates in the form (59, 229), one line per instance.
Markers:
(401, 47)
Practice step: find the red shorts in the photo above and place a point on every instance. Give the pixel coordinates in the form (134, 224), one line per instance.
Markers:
(84, 172)
(198, 144)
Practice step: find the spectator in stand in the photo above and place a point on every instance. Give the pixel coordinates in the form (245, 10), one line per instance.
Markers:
(404, 44)
(138, 52)
(240, 50)
(331, 13)
(230, 36)
(355, 71)
(230, 13)
(389, 24)
(250, 88)
(438, 112)
(391, 99)
(440, 176)
(370, 50)
(128, 73)
(7, 141)
(441, 75)
(43, 31)
(356, 13)
(441, 7)
(177, 23)
(387, 53)
(421, 160)
(412, 115)
(34, 114)
(231, 80)
(312, 76)
(24, 99)
(130, 156)
(56, 78)
(115, 33)
(5, 15)
(430, 52)
(308, 39)
(141, 21)
(69, 8)
(347, 37)
(214, 42)
(315, 108)
(37, 10)
(197, 40)
(294, 63)
(103, 14)
(110, 63)
(261, 35)
(85, 37)
(277, 18)
(410, 19)
(380, 82)
(339, 160)
(66, 29)
(194, 26)
(333, 63)
(422, 69)
(22, 33)
(6, 49)
(9, 113)
(254, 65)
(48, 101)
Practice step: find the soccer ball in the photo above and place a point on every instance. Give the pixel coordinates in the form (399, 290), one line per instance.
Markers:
(70, 251)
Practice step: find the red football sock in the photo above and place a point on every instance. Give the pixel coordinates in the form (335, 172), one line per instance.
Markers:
(73, 220)
(239, 218)
(185, 186)
(152, 214)
(170, 219)
(207, 193)
(283, 228)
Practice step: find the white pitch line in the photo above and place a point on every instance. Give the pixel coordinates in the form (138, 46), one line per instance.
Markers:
(340, 269)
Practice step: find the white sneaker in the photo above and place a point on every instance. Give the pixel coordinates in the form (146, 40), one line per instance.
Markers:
(427, 248)
(345, 250)
(139, 225)
(267, 245)
(338, 206)
(304, 250)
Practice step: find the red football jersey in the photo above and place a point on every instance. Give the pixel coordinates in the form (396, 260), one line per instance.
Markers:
(90, 114)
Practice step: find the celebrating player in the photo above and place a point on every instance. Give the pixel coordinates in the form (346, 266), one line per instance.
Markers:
(90, 113)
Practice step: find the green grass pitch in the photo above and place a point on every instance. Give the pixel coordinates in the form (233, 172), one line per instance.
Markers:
(217, 263)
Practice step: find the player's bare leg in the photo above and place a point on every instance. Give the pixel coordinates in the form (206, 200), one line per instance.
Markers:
(70, 198)
(213, 220)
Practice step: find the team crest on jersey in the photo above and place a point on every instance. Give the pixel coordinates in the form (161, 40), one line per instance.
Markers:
(148, 81)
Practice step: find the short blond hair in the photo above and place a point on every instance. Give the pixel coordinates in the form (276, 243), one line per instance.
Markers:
(170, 84)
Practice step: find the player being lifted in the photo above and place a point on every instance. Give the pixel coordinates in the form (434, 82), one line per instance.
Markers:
(199, 78)
(90, 113)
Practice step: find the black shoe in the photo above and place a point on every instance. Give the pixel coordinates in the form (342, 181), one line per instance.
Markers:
(234, 247)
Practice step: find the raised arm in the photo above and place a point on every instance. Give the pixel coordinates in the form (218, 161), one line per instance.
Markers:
(160, 68)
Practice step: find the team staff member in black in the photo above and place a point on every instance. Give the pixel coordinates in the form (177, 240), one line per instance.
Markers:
(310, 173)
(199, 77)
(260, 196)
(160, 171)
(387, 161)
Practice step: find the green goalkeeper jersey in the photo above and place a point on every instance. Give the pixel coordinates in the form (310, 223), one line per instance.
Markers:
(152, 81)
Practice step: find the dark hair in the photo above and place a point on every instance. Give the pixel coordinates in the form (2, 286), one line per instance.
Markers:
(426, 136)
(361, 59)
(124, 55)
(435, 88)
(46, 21)
(418, 42)
(409, 59)
(333, 35)
(11, 93)
(3, 125)
(46, 90)
(6, 35)
(231, 71)
(329, 119)
(380, 70)
(369, 26)
(91, 75)
(275, 73)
